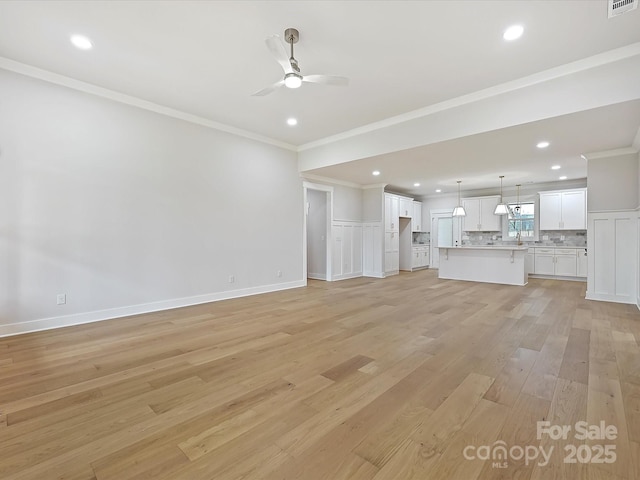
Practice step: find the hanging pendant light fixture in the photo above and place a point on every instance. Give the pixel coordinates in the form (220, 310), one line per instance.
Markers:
(501, 208)
(459, 210)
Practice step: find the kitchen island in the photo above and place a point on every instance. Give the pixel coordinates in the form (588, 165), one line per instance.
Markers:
(492, 264)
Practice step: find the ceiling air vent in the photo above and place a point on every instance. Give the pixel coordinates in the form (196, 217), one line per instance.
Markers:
(618, 7)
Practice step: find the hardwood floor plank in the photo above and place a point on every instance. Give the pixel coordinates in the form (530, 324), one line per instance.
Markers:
(354, 380)
(509, 383)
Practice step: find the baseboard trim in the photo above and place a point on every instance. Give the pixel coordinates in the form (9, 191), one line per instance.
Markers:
(316, 276)
(50, 323)
(559, 277)
(611, 298)
(346, 277)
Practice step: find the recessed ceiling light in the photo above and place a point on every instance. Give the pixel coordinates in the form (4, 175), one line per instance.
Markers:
(438, 191)
(375, 172)
(292, 122)
(563, 177)
(544, 144)
(556, 167)
(81, 42)
(416, 184)
(513, 32)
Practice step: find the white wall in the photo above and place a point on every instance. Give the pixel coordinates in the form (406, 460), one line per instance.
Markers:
(125, 210)
(612, 182)
(347, 203)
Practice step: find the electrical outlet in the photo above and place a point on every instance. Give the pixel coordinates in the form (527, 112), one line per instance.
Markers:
(232, 279)
(279, 273)
(61, 298)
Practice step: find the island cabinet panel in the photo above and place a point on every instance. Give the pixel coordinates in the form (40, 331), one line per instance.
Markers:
(563, 210)
(480, 216)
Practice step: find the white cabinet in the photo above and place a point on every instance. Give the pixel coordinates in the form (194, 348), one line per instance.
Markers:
(563, 210)
(562, 262)
(480, 217)
(391, 212)
(544, 261)
(582, 262)
(391, 234)
(416, 218)
(565, 262)
(419, 257)
(574, 210)
(406, 207)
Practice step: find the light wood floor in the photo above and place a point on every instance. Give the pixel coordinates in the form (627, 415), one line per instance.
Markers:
(354, 380)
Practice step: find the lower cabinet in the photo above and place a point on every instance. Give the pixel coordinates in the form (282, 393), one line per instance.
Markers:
(419, 257)
(566, 263)
(561, 262)
(391, 252)
(544, 262)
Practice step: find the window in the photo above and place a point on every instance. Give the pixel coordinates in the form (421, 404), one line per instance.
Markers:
(521, 219)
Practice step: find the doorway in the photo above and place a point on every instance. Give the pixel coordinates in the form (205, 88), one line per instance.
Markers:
(317, 231)
(445, 232)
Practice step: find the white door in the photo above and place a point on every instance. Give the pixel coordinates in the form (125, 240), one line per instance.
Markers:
(442, 235)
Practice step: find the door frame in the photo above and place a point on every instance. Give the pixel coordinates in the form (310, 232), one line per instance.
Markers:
(434, 215)
(329, 191)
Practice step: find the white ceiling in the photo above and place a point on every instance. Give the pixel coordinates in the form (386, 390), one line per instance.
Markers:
(206, 58)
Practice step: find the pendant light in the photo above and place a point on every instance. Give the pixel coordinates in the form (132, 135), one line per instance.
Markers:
(501, 208)
(459, 210)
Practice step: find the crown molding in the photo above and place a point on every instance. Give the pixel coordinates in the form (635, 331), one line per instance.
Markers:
(611, 153)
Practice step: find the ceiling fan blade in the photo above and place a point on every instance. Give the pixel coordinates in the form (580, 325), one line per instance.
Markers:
(268, 90)
(327, 80)
(276, 47)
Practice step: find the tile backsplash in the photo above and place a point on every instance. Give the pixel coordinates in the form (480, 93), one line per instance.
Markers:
(420, 237)
(560, 238)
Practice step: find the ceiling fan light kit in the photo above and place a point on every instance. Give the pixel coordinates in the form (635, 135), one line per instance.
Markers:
(292, 76)
(292, 80)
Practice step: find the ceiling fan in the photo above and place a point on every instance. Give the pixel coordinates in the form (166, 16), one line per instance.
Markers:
(292, 76)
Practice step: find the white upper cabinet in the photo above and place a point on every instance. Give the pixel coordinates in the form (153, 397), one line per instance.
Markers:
(563, 210)
(416, 218)
(406, 207)
(480, 217)
(391, 210)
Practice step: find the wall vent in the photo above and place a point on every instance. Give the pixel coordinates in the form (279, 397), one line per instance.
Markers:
(618, 7)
